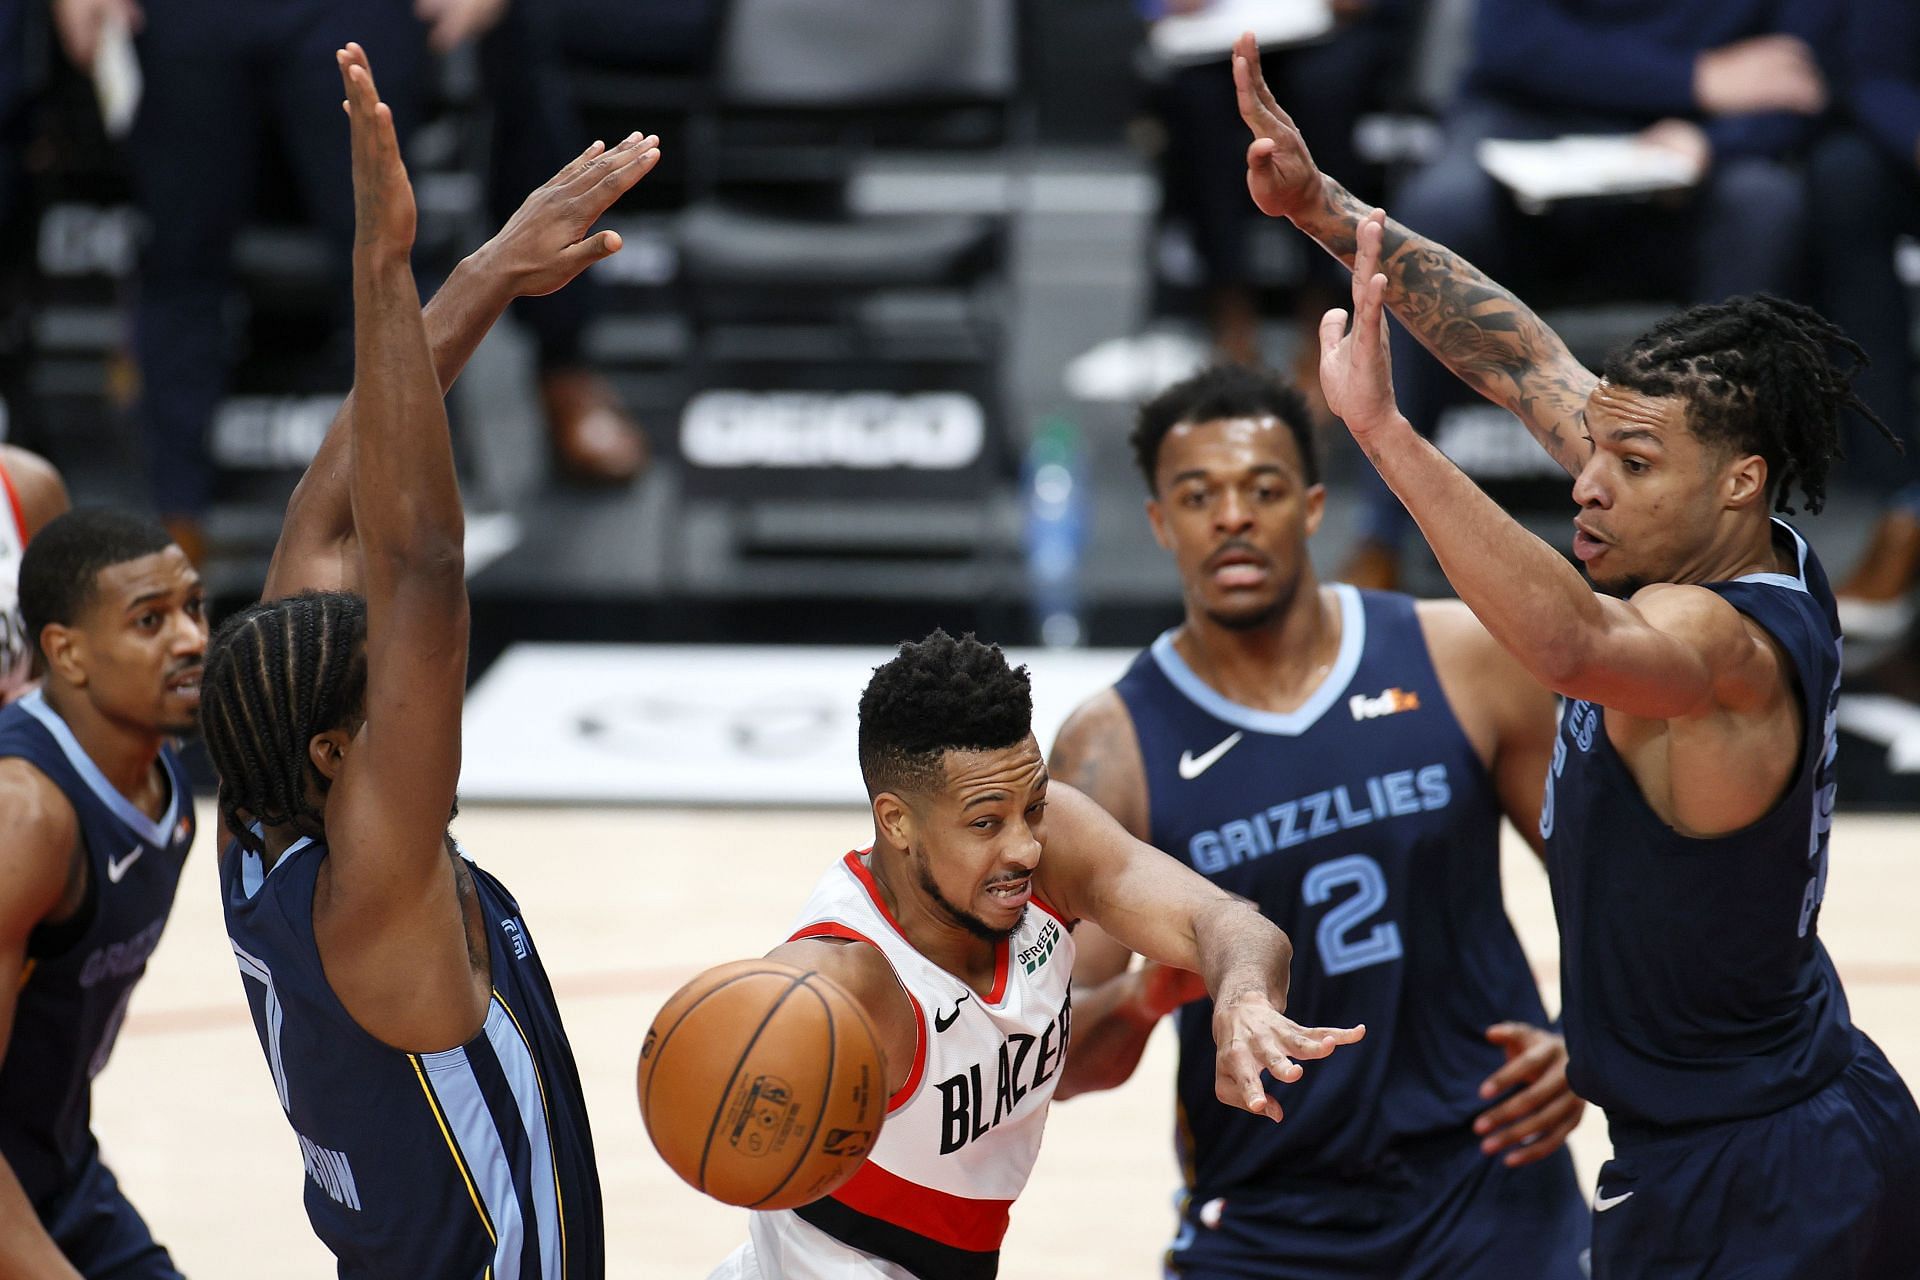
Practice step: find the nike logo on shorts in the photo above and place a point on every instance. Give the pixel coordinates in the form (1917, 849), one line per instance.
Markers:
(1603, 1203)
(1192, 766)
(117, 867)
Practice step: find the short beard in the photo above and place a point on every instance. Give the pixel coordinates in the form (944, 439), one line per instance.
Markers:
(965, 919)
(188, 731)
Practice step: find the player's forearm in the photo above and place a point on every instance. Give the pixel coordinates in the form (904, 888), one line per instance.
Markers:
(1111, 1027)
(1535, 604)
(1489, 338)
(405, 497)
(27, 1252)
(1241, 952)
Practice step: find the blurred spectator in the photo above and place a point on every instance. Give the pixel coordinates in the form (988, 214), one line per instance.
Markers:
(221, 78)
(1732, 84)
(1328, 85)
(1865, 174)
(535, 131)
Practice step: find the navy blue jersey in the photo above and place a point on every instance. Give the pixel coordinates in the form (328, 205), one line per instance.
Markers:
(1695, 985)
(1365, 825)
(468, 1163)
(81, 973)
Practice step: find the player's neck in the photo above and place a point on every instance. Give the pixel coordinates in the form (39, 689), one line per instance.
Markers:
(960, 952)
(124, 754)
(1748, 550)
(1275, 666)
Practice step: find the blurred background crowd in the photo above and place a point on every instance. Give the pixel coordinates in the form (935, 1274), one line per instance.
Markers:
(866, 360)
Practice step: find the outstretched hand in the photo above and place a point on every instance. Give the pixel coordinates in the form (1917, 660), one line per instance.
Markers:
(1281, 175)
(545, 244)
(1251, 1036)
(383, 209)
(1356, 367)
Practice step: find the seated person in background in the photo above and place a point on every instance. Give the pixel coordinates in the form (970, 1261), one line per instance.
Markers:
(1731, 83)
(1203, 166)
(1865, 171)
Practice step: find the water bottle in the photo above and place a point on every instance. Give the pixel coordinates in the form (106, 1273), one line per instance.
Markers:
(1056, 530)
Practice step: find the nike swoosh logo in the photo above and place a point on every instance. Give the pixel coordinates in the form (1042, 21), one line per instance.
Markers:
(1603, 1203)
(1192, 766)
(117, 867)
(942, 1023)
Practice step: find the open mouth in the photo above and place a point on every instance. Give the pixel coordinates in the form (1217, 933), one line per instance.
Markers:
(1012, 893)
(1585, 546)
(186, 684)
(1237, 568)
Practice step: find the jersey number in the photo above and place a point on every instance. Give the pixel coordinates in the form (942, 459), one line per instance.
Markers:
(1340, 952)
(271, 1017)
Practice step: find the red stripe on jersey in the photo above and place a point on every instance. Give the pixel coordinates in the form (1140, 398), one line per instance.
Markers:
(1049, 908)
(958, 1221)
(831, 929)
(13, 502)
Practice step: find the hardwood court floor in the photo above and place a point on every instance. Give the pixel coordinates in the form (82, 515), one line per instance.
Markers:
(627, 904)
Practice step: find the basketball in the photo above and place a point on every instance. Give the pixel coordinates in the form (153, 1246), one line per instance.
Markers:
(760, 1084)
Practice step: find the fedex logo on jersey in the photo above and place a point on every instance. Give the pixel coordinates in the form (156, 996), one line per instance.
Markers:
(1390, 702)
(971, 1109)
(1321, 814)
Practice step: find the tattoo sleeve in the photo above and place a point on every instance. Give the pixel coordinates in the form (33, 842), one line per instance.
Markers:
(1489, 338)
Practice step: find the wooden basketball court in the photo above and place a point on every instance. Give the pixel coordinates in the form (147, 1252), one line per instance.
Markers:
(628, 903)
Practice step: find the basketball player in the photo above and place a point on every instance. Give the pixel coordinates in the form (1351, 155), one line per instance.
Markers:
(96, 817)
(35, 494)
(1756, 1131)
(1341, 758)
(954, 932)
(409, 1028)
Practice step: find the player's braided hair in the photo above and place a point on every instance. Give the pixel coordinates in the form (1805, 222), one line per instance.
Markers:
(276, 675)
(1758, 374)
(937, 696)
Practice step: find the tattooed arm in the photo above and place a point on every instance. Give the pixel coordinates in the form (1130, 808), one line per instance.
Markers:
(1488, 337)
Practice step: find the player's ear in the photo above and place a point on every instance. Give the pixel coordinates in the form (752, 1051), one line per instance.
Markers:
(328, 751)
(894, 819)
(1157, 517)
(1745, 481)
(63, 650)
(1316, 507)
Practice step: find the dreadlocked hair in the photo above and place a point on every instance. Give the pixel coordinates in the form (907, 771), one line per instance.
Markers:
(277, 675)
(1758, 375)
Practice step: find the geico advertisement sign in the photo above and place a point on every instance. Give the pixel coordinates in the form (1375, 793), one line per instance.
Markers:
(860, 430)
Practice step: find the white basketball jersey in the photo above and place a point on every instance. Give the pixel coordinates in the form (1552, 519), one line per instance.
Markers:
(963, 1132)
(16, 646)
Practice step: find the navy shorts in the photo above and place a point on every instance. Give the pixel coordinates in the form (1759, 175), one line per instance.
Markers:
(104, 1236)
(1447, 1214)
(1828, 1189)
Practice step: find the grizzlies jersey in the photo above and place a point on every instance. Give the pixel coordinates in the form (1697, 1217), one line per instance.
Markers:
(1365, 825)
(1696, 987)
(16, 649)
(81, 974)
(471, 1163)
(962, 1133)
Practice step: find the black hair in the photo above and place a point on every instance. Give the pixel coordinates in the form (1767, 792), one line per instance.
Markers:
(937, 696)
(276, 675)
(1216, 392)
(1758, 375)
(61, 567)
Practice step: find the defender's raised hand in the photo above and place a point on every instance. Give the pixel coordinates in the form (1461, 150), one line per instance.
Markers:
(1251, 1036)
(1281, 175)
(383, 210)
(545, 244)
(1356, 370)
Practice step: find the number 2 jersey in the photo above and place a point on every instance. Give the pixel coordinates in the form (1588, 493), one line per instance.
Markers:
(473, 1163)
(81, 973)
(1365, 825)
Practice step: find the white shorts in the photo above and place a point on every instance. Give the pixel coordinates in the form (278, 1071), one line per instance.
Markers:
(781, 1247)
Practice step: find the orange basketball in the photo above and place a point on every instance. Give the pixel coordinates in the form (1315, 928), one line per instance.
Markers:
(760, 1084)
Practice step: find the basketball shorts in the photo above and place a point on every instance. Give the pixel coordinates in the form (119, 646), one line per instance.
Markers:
(104, 1236)
(1447, 1212)
(781, 1247)
(1828, 1189)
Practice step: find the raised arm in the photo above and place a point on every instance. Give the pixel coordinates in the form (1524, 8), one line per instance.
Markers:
(1159, 908)
(540, 249)
(1490, 339)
